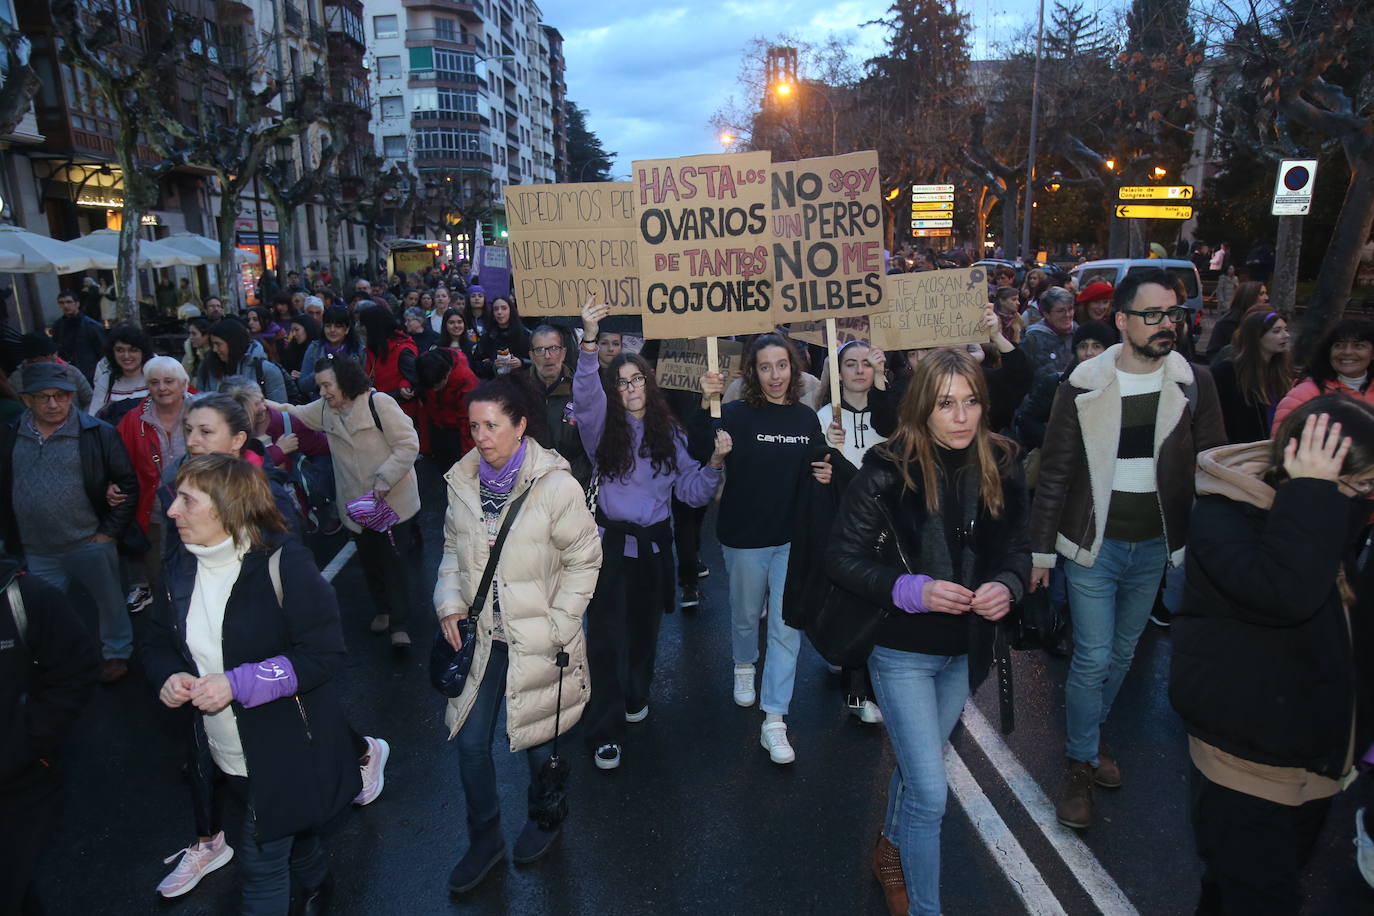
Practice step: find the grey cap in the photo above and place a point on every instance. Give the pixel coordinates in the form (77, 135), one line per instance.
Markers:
(42, 376)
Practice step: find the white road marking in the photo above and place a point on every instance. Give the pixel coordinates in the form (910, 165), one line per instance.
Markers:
(340, 558)
(1106, 894)
(1025, 878)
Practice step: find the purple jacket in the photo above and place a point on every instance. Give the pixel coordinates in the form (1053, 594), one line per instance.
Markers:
(642, 498)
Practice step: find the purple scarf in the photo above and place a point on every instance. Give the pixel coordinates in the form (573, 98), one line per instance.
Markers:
(502, 481)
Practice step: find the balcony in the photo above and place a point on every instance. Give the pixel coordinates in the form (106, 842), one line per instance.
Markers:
(456, 41)
(450, 159)
(466, 11)
(513, 136)
(293, 16)
(516, 176)
(315, 32)
(421, 119)
(445, 79)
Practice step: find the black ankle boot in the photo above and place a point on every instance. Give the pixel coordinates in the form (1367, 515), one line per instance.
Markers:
(315, 901)
(534, 842)
(486, 848)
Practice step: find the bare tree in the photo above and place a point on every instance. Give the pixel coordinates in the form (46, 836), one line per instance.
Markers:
(290, 189)
(21, 81)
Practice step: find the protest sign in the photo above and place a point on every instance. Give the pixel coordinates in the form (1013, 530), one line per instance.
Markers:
(813, 332)
(826, 227)
(703, 256)
(682, 362)
(932, 308)
(493, 269)
(569, 242)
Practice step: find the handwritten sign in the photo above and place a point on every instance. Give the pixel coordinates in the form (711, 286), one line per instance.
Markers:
(933, 308)
(571, 241)
(813, 332)
(682, 362)
(827, 237)
(493, 267)
(703, 254)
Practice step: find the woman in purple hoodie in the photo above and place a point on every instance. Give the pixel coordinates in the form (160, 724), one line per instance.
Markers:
(639, 457)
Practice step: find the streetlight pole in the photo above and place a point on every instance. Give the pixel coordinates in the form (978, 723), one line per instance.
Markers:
(582, 172)
(1034, 131)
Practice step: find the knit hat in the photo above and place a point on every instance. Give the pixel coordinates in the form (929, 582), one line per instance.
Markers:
(37, 345)
(1098, 289)
(1094, 330)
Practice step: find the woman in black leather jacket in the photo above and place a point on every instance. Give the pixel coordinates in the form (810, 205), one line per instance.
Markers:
(933, 531)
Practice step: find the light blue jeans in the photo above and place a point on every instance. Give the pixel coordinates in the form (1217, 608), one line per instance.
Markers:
(1110, 604)
(96, 568)
(921, 697)
(754, 571)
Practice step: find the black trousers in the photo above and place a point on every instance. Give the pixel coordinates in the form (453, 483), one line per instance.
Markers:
(29, 811)
(387, 570)
(1253, 851)
(622, 640)
(446, 445)
(687, 522)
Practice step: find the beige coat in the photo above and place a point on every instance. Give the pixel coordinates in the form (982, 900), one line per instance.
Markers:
(364, 455)
(544, 579)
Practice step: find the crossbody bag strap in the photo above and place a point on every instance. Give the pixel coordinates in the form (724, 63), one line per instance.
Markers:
(481, 597)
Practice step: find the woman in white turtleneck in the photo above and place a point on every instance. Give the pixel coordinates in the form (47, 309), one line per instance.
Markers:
(1338, 365)
(248, 633)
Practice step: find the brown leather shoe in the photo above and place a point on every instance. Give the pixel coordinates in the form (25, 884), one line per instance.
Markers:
(112, 669)
(1108, 774)
(1075, 808)
(887, 868)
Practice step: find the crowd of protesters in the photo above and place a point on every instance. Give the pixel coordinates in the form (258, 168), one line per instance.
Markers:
(1089, 456)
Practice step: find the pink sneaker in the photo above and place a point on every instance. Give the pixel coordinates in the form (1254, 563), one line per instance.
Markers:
(197, 861)
(374, 771)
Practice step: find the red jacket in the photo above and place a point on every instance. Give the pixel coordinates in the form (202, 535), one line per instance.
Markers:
(447, 408)
(1307, 389)
(144, 446)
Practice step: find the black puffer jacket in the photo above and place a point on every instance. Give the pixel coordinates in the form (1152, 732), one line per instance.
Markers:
(1264, 667)
(865, 561)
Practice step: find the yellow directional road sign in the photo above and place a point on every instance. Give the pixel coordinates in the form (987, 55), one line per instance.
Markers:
(931, 205)
(1156, 211)
(1156, 192)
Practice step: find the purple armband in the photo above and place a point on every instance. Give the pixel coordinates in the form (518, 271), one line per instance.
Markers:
(906, 593)
(256, 683)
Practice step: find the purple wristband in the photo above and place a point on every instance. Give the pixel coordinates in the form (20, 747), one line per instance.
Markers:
(256, 683)
(906, 593)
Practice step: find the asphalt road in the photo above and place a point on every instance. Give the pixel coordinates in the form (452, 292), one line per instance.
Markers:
(696, 820)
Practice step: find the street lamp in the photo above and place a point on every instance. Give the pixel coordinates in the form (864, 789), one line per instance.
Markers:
(1110, 164)
(726, 139)
(782, 89)
(1159, 172)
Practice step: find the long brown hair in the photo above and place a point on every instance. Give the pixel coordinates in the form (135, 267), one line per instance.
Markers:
(753, 391)
(614, 458)
(240, 494)
(913, 445)
(1262, 380)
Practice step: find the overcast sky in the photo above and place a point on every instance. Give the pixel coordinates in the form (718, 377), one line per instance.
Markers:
(652, 73)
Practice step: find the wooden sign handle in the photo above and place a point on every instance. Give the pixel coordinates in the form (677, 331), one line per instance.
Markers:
(713, 365)
(833, 343)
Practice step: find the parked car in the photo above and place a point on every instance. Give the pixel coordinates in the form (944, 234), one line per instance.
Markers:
(1114, 270)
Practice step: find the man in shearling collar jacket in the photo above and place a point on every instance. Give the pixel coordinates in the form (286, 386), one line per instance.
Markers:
(1113, 499)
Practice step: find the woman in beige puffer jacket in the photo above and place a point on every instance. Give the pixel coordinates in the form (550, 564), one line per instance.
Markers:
(544, 578)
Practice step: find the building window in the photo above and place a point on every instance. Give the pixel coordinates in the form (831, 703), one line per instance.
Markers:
(389, 68)
(436, 141)
(393, 107)
(454, 65)
(394, 146)
(446, 29)
(384, 27)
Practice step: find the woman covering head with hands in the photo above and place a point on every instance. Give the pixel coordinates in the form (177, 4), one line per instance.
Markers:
(773, 435)
(933, 530)
(1270, 648)
(639, 456)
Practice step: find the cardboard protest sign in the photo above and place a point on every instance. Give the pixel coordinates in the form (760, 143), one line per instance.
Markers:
(493, 269)
(682, 362)
(813, 332)
(932, 308)
(703, 255)
(571, 241)
(826, 228)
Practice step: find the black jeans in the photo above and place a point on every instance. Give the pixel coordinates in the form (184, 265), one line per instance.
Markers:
(446, 445)
(1253, 851)
(387, 570)
(622, 640)
(29, 809)
(687, 539)
(266, 869)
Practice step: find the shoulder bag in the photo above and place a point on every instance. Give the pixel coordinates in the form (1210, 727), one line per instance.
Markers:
(448, 668)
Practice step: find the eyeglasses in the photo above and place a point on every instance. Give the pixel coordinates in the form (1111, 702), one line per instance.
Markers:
(547, 351)
(1363, 487)
(62, 397)
(634, 381)
(1176, 314)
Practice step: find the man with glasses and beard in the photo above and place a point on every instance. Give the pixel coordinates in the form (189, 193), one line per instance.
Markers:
(1113, 499)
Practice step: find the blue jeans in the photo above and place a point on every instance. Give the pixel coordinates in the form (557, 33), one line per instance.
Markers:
(266, 869)
(754, 571)
(921, 697)
(475, 763)
(1110, 604)
(95, 567)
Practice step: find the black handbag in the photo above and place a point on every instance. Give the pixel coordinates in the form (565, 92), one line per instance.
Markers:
(1038, 623)
(448, 669)
(845, 626)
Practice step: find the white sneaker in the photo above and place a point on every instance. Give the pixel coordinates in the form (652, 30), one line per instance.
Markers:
(374, 771)
(638, 716)
(866, 711)
(197, 861)
(138, 598)
(744, 685)
(607, 757)
(774, 741)
(1364, 849)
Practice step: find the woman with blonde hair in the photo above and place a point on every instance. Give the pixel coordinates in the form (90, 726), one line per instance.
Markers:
(932, 533)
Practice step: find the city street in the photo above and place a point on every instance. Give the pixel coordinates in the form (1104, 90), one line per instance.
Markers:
(696, 820)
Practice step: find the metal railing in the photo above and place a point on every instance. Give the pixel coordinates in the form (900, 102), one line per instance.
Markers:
(451, 37)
